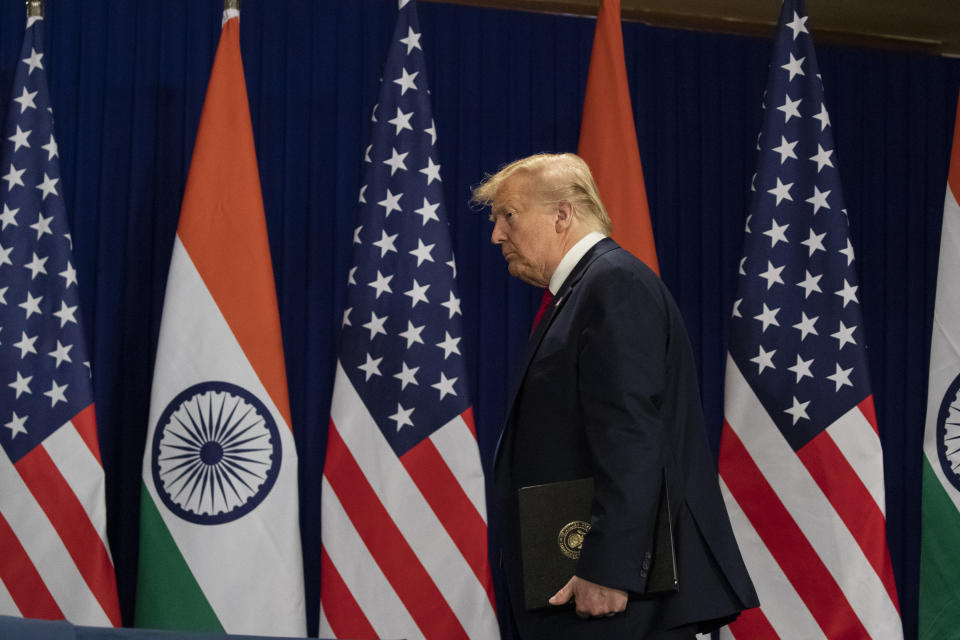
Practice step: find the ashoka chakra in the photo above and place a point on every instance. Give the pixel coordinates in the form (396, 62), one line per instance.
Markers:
(948, 434)
(216, 453)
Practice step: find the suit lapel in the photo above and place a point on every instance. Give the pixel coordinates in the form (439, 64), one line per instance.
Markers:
(546, 320)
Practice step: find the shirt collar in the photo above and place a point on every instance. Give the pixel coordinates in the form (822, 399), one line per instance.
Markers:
(571, 258)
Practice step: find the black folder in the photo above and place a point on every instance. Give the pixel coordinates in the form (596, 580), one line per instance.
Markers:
(553, 520)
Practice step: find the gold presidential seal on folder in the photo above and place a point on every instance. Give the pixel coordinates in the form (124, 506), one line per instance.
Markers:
(570, 538)
(554, 523)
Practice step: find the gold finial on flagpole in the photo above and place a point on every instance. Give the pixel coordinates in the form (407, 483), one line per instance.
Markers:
(231, 4)
(34, 8)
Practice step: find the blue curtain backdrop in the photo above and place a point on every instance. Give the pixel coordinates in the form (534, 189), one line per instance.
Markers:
(128, 80)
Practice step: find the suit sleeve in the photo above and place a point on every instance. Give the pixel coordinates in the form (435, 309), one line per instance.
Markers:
(622, 350)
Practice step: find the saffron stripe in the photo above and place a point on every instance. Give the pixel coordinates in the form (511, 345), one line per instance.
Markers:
(72, 524)
(400, 565)
(22, 580)
(85, 423)
(776, 527)
(454, 510)
(852, 502)
(224, 177)
(343, 614)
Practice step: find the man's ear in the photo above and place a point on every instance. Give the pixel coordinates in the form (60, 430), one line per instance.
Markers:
(564, 216)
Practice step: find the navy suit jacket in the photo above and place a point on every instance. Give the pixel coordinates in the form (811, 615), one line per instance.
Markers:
(608, 390)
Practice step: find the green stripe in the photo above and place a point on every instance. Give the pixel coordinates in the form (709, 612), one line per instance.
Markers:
(939, 561)
(168, 596)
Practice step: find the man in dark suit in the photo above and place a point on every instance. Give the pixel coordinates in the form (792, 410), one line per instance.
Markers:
(608, 390)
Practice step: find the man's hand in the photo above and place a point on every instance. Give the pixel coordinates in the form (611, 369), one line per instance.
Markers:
(592, 600)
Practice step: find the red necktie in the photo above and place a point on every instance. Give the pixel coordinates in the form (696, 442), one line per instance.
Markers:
(544, 303)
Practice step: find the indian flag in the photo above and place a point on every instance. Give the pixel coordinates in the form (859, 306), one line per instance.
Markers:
(219, 523)
(939, 569)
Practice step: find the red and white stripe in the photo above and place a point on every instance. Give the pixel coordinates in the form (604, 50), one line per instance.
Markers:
(404, 539)
(56, 561)
(810, 523)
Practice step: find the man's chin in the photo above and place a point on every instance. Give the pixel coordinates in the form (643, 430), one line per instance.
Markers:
(525, 275)
(517, 271)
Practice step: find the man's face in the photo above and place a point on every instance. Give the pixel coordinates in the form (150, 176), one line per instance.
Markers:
(525, 230)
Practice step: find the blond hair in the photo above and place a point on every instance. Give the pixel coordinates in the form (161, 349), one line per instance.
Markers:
(554, 177)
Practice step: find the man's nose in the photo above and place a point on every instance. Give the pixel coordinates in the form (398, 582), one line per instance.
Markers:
(497, 236)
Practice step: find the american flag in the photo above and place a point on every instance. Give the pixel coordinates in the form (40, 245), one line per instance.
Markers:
(55, 561)
(800, 458)
(403, 509)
